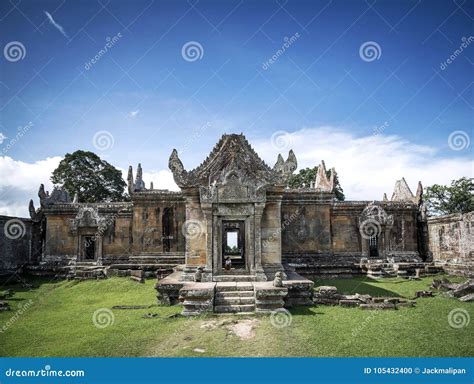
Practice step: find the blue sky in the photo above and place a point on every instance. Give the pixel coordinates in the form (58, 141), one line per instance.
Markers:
(379, 117)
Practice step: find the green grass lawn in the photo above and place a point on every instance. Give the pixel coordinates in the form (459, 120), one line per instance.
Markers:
(57, 320)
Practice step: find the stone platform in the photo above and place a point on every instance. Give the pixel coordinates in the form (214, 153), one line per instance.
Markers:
(234, 296)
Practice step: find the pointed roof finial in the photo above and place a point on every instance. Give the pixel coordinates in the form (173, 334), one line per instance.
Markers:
(385, 198)
(322, 183)
(402, 192)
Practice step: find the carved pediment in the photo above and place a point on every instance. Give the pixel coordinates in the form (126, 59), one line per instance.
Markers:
(232, 158)
(88, 217)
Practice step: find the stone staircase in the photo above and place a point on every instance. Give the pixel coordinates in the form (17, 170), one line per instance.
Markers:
(86, 271)
(234, 297)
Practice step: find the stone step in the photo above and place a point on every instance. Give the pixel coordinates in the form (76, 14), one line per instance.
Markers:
(234, 308)
(231, 278)
(220, 294)
(234, 286)
(236, 300)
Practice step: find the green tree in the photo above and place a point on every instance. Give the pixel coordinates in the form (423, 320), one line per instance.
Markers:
(306, 176)
(94, 179)
(456, 198)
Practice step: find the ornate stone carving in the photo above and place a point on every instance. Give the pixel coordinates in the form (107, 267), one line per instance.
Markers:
(59, 195)
(88, 217)
(232, 153)
(322, 183)
(402, 192)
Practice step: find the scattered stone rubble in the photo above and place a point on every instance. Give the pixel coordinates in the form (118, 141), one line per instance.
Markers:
(328, 295)
(463, 291)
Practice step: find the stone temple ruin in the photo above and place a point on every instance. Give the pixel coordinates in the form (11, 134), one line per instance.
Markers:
(236, 238)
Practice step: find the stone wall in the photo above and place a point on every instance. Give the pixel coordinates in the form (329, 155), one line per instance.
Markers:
(451, 242)
(18, 239)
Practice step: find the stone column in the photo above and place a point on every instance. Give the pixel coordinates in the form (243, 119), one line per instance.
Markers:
(207, 211)
(259, 207)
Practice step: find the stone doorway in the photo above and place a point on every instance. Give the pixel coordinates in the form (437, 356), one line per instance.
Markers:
(233, 245)
(88, 248)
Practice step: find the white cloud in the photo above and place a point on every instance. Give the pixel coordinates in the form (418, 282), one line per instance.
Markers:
(133, 114)
(56, 25)
(20, 182)
(367, 166)
(2, 138)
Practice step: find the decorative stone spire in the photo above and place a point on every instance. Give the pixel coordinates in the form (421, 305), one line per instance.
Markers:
(130, 180)
(385, 198)
(402, 191)
(322, 183)
(419, 193)
(151, 184)
(139, 183)
(76, 198)
(290, 164)
(280, 164)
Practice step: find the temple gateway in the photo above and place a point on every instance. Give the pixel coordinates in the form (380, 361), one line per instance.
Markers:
(235, 238)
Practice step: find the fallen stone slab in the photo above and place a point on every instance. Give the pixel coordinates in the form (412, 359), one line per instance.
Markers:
(5, 294)
(464, 289)
(4, 306)
(131, 306)
(378, 306)
(468, 298)
(423, 294)
(349, 303)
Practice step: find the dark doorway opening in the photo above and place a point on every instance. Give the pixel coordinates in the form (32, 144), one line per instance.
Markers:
(373, 247)
(167, 225)
(89, 248)
(233, 245)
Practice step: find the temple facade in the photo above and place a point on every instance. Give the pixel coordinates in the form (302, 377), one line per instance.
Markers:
(232, 208)
(234, 220)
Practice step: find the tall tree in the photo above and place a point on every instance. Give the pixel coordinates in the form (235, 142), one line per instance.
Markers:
(94, 179)
(456, 198)
(306, 176)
